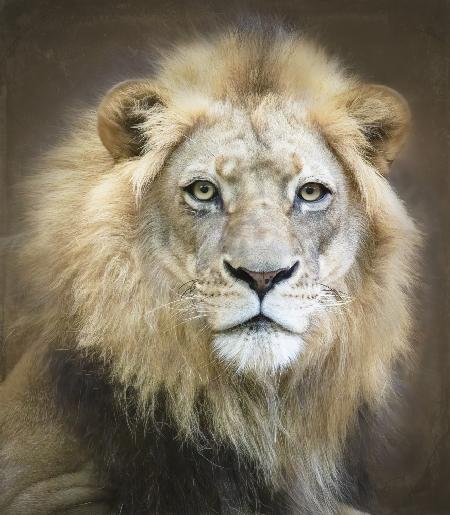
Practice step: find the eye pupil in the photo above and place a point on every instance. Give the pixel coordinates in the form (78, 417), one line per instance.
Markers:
(204, 188)
(309, 190)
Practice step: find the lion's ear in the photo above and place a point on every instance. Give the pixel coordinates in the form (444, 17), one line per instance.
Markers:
(384, 117)
(120, 113)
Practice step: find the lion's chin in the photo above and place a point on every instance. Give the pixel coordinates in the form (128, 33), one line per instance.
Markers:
(262, 348)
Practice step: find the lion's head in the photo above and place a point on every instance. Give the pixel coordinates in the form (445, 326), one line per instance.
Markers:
(231, 230)
(247, 158)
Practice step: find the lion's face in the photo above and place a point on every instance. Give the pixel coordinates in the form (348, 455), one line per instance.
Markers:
(257, 224)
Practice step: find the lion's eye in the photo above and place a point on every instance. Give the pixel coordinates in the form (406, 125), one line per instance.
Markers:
(312, 191)
(202, 190)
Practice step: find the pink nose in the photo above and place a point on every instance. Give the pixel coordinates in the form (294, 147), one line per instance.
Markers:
(263, 280)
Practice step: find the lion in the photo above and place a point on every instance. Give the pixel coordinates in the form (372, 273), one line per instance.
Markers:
(217, 290)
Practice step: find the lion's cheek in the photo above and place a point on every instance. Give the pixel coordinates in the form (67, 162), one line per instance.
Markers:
(228, 312)
(291, 315)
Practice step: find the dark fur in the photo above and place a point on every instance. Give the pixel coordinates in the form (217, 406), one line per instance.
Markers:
(150, 469)
(147, 466)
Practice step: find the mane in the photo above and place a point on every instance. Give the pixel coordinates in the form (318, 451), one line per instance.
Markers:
(80, 260)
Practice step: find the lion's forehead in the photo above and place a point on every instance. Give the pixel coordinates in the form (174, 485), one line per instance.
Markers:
(276, 144)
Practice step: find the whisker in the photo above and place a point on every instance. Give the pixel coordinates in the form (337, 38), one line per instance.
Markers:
(337, 293)
(171, 303)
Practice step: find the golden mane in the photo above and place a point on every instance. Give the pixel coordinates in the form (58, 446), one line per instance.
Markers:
(81, 263)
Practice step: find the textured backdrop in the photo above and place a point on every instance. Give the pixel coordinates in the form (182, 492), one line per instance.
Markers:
(59, 55)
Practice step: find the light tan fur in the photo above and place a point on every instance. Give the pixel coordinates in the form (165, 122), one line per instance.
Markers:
(94, 279)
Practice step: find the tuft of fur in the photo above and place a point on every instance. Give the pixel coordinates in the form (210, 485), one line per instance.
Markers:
(81, 261)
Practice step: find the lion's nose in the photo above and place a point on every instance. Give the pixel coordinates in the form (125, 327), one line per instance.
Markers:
(261, 282)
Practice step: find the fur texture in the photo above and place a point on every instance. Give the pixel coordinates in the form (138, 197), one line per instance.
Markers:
(112, 283)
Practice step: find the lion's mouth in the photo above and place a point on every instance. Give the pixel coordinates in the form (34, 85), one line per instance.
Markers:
(258, 323)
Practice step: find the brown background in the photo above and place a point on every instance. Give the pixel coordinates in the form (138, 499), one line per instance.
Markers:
(58, 55)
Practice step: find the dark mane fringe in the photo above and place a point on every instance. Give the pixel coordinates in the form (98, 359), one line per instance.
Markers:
(148, 466)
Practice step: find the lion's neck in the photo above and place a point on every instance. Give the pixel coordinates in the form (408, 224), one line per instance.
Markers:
(264, 427)
(140, 452)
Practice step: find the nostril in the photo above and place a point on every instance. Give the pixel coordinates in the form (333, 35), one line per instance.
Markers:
(239, 273)
(261, 282)
(285, 273)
